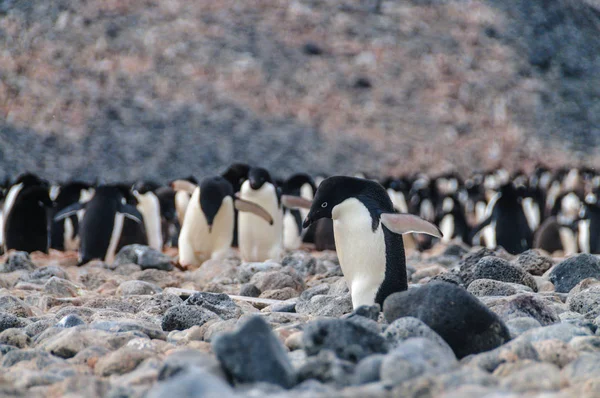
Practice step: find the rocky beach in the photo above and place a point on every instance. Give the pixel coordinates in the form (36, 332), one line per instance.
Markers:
(526, 326)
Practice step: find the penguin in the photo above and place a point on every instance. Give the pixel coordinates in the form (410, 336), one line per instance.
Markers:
(182, 196)
(169, 223)
(149, 206)
(208, 226)
(508, 222)
(589, 229)
(257, 240)
(102, 225)
(236, 174)
(452, 220)
(297, 185)
(27, 224)
(368, 236)
(64, 233)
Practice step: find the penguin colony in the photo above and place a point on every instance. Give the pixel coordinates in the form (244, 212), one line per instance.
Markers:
(368, 221)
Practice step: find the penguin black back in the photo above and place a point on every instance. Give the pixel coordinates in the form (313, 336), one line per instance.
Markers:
(27, 224)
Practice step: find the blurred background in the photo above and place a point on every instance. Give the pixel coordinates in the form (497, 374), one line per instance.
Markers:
(159, 89)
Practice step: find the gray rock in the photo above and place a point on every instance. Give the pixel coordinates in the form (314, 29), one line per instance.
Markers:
(538, 377)
(405, 328)
(586, 301)
(568, 273)
(302, 262)
(67, 343)
(500, 270)
(416, 357)
(4, 349)
(254, 354)
(367, 311)
(309, 293)
(468, 262)
(85, 386)
(288, 305)
(89, 356)
(42, 274)
(8, 321)
(313, 386)
(187, 359)
(348, 340)
(70, 321)
(219, 327)
(61, 287)
(586, 343)
(192, 383)
(218, 303)
(368, 370)
(123, 360)
(451, 276)
(111, 304)
(559, 331)
(453, 313)
(514, 351)
(15, 337)
(527, 305)
(586, 367)
(247, 270)
(145, 257)
(325, 305)
(533, 262)
(249, 290)
(490, 287)
(157, 304)
(327, 368)
(14, 306)
(555, 352)
(273, 280)
(130, 288)
(17, 261)
(41, 358)
(520, 325)
(127, 325)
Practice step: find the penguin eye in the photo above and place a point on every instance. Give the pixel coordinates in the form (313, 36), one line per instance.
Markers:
(324, 204)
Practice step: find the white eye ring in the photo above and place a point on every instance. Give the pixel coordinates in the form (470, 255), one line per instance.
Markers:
(324, 204)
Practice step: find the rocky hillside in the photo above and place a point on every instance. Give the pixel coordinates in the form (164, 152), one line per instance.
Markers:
(160, 89)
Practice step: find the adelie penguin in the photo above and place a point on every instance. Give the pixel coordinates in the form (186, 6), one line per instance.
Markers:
(301, 185)
(368, 236)
(64, 234)
(208, 226)
(102, 223)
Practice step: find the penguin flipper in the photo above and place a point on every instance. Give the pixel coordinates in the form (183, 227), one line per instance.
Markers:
(247, 206)
(478, 229)
(131, 212)
(69, 211)
(409, 223)
(295, 202)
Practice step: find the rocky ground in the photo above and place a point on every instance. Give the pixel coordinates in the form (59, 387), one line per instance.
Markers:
(525, 326)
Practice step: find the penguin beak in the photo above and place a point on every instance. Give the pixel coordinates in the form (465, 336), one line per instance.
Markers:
(307, 222)
(209, 228)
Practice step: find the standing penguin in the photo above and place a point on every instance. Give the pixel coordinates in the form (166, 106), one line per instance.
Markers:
(64, 233)
(452, 220)
(182, 195)
(236, 174)
(102, 223)
(367, 236)
(259, 241)
(149, 206)
(301, 185)
(507, 222)
(27, 224)
(208, 226)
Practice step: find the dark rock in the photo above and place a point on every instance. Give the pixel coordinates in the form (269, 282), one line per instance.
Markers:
(533, 262)
(42, 359)
(254, 354)
(43, 274)
(405, 328)
(452, 276)
(497, 269)
(129, 325)
(70, 321)
(218, 303)
(311, 48)
(348, 340)
(490, 287)
(456, 315)
(131, 288)
(288, 305)
(249, 290)
(191, 383)
(325, 305)
(321, 289)
(455, 250)
(145, 257)
(8, 321)
(327, 368)
(527, 305)
(586, 301)
(17, 261)
(568, 273)
(368, 370)
(468, 262)
(370, 312)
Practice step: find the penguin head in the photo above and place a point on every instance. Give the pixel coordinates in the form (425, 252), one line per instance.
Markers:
(236, 174)
(212, 192)
(258, 177)
(293, 185)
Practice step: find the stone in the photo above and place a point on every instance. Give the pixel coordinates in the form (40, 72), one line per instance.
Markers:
(220, 271)
(218, 303)
(123, 360)
(17, 261)
(514, 351)
(89, 356)
(368, 370)
(467, 263)
(319, 289)
(14, 306)
(456, 315)
(61, 287)
(560, 331)
(130, 288)
(490, 287)
(111, 304)
(302, 262)
(249, 290)
(538, 377)
(405, 328)
(348, 340)
(185, 359)
(556, 352)
(585, 343)
(70, 321)
(144, 256)
(500, 270)
(15, 337)
(273, 280)
(279, 294)
(327, 368)
(367, 311)
(181, 317)
(526, 305)
(157, 304)
(219, 327)
(192, 383)
(533, 262)
(325, 305)
(585, 301)
(160, 278)
(8, 321)
(69, 342)
(519, 325)
(83, 386)
(42, 274)
(129, 325)
(246, 271)
(288, 305)
(254, 354)
(568, 273)
(415, 357)
(586, 367)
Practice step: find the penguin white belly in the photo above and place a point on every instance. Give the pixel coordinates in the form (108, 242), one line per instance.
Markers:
(306, 192)
(532, 213)
(567, 238)
(71, 243)
(149, 206)
(8, 204)
(196, 243)
(257, 240)
(398, 200)
(114, 238)
(1, 227)
(361, 251)
(447, 228)
(292, 240)
(584, 236)
(182, 200)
